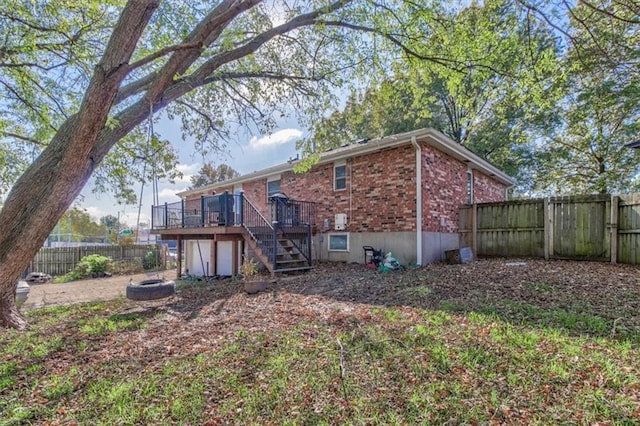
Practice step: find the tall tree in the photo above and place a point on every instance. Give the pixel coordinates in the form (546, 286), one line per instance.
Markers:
(487, 97)
(236, 62)
(209, 174)
(77, 225)
(585, 152)
(110, 221)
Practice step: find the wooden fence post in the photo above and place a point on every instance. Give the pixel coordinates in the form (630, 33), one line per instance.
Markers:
(474, 228)
(547, 227)
(613, 228)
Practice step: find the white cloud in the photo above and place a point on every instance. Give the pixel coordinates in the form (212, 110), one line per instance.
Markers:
(131, 219)
(95, 212)
(277, 138)
(168, 195)
(187, 171)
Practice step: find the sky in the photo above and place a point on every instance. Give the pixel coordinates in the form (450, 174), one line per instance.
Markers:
(246, 154)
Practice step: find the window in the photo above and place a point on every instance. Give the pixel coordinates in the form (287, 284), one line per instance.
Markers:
(273, 185)
(469, 187)
(340, 176)
(338, 242)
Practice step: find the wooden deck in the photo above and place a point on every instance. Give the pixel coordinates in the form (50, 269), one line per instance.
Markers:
(201, 233)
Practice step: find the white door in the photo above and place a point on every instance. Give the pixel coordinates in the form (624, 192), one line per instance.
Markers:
(199, 258)
(224, 258)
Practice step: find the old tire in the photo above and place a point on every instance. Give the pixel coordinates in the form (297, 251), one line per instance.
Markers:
(150, 289)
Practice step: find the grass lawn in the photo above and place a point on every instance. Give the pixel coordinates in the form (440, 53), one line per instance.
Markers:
(486, 343)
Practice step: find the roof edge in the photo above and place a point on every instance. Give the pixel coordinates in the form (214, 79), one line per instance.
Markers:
(429, 136)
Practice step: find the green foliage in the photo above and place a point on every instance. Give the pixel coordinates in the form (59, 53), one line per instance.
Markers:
(77, 225)
(93, 265)
(486, 91)
(70, 276)
(48, 50)
(584, 151)
(151, 260)
(209, 174)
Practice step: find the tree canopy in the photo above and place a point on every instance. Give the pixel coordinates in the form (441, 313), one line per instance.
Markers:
(209, 174)
(552, 108)
(77, 225)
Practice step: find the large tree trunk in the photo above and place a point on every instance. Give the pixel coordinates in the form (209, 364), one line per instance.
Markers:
(49, 186)
(46, 190)
(10, 316)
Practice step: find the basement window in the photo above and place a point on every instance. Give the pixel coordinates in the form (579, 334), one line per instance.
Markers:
(338, 242)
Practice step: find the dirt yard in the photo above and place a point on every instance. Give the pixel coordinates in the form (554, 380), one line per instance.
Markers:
(603, 296)
(85, 290)
(598, 299)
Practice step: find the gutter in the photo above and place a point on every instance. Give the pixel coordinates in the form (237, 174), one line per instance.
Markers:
(418, 200)
(429, 136)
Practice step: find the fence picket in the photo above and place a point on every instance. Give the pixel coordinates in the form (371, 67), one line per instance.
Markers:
(568, 227)
(57, 261)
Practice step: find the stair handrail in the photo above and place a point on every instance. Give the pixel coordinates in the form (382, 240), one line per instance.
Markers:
(271, 252)
(255, 210)
(283, 204)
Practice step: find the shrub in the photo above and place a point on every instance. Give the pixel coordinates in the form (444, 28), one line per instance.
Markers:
(69, 276)
(128, 266)
(151, 260)
(95, 265)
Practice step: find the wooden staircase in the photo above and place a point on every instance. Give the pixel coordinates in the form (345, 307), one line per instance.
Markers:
(275, 249)
(288, 257)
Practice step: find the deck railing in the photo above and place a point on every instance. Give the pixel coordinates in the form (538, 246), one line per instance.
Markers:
(206, 211)
(294, 220)
(290, 219)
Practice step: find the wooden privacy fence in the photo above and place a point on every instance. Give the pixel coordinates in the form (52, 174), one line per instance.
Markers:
(594, 227)
(60, 260)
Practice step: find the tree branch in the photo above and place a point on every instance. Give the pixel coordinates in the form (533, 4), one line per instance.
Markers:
(23, 138)
(162, 52)
(611, 14)
(202, 36)
(445, 62)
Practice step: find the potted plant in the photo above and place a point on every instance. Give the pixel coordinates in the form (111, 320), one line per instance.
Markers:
(250, 277)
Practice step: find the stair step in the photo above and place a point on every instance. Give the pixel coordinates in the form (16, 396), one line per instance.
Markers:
(305, 268)
(292, 256)
(280, 262)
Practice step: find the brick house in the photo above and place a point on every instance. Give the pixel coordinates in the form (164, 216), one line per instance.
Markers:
(399, 193)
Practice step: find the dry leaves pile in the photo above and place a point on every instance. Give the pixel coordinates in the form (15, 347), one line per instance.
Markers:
(202, 313)
(333, 315)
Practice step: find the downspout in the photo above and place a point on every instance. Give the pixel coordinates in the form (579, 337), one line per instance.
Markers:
(418, 200)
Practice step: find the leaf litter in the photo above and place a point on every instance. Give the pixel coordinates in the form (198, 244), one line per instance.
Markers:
(368, 312)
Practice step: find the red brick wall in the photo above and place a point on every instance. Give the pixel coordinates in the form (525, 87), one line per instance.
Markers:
(384, 191)
(486, 189)
(444, 190)
(380, 195)
(256, 192)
